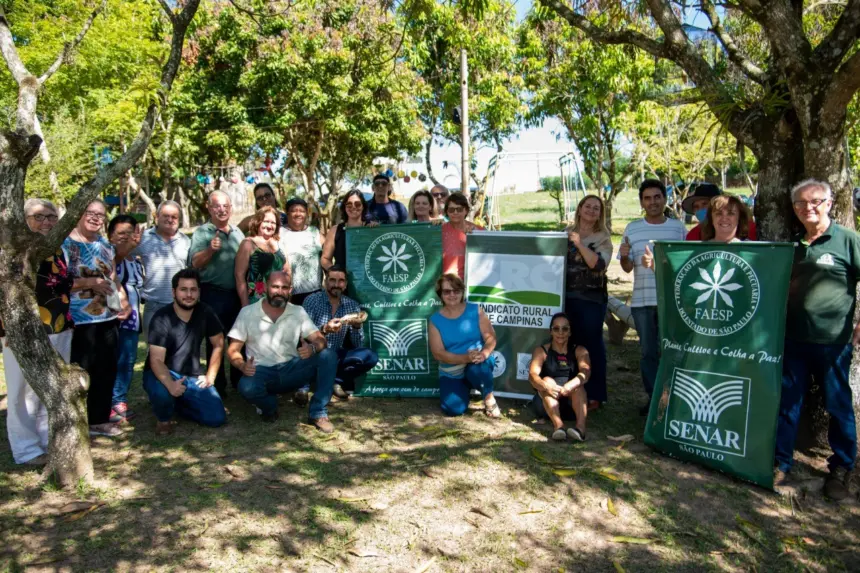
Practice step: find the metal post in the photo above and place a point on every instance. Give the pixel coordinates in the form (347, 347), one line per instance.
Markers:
(464, 116)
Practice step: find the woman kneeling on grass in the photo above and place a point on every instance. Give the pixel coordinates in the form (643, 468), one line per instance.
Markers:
(462, 340)
(560, 381)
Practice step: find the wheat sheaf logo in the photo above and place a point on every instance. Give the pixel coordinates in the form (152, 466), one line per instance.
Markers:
(708, 404)
(716, 293)
(397, 342)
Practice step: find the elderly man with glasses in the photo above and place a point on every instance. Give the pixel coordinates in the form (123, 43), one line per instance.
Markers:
(163, 250)
(820, 334)
(381, 208)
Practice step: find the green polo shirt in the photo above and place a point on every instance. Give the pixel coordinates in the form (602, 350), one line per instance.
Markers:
(823, 282)
(219, 271)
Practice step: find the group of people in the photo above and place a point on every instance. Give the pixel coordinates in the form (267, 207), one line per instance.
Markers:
(270, 294)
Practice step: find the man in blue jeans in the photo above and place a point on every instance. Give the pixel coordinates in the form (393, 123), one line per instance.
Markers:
(173, 375)
(637, 242)
(820, 334)
(285, 352)
(337, 315)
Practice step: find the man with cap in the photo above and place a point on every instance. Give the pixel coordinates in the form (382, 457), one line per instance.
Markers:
(264, 196)
(381, 208)
(696, 203)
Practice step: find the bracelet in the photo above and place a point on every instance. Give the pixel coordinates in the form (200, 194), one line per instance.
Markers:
(313, 350)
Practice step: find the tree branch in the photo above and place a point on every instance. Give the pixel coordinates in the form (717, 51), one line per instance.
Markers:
(626, 36)
(167, 9)
(91, 189)
(69, 46)
(843, 86)
(831, 51)
(750, 69)
(10, 53)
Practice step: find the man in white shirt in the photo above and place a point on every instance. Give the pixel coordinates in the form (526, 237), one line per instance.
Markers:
(271, 330)
(637, 242)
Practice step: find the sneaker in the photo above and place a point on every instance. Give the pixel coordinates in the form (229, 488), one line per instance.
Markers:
(164, 428)
(39, 460)
(107, 429)
(836, 484)
(340, 392)
(576, 434)
(559, 435)
(324, 425)
(301, 398)
(120, 412)
(269, 418)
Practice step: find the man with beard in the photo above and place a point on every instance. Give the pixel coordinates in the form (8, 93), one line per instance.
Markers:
(638, 242)
(337, 315)
(173, 376)
(285, 351)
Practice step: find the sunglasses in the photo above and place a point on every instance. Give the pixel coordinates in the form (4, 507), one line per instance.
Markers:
(266, 195)
(561, 329)
(451, 291)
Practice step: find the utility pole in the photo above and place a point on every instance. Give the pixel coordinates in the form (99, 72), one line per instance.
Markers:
(464, 116)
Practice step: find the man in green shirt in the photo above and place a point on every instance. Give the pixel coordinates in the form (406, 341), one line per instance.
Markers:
(213, 254)
(820, 333)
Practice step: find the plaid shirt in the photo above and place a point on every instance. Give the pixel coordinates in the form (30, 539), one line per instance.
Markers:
(318, 308)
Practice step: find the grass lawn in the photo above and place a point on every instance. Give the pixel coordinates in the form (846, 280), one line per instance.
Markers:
(399, 487)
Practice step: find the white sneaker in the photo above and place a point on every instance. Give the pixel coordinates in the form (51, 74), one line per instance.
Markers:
(106, 429)
(559, 435)
(575, 434)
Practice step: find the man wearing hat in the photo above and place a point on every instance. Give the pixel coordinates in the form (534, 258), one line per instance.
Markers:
(382, 209)
(697, 204)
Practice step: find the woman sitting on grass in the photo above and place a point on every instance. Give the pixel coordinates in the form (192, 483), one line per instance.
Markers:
(462, 340)
(559, 377)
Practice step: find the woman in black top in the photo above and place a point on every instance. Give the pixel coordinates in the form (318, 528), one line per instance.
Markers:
(353, 208)
(559, 377)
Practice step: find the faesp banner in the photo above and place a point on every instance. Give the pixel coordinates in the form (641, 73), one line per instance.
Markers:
(518, 279)
(392, 271)
(721, 316)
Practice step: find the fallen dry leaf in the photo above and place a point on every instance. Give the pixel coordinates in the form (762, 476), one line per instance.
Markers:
(633, 540)
(77, 506)
(539, 456)
(808, 541)
(275, 487)
(426, 565)
(364, 553)
(608, 475)
(618, 567)
(622, 438)
(520, 563)
(560, 472)
(351, 499)
(235, 471)
(428, 473)
(611, 507)
(530, 511)
(480, 511)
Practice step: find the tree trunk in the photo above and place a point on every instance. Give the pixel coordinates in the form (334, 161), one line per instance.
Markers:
(427, 163)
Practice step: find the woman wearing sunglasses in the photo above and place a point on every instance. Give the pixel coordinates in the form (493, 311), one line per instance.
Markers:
(462, 340)
(559, 376)
(353, 213)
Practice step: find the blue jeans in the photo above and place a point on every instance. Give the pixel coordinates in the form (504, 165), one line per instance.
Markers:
(454, 392)
(586, 322)
(125, 364)
(201, 405)
(353, 363)
(830, 365)
(645, 318)
(268, 381)
(226, 305)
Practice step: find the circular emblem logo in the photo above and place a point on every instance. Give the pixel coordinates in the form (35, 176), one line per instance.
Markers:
(500, 365)
(394, 263)
(716, 293)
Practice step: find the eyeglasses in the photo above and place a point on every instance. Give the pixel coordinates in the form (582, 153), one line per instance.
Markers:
(451, 291)
(354, 205)
(440, 195)
(95, 215)
(39, 218)
(380, 183)
(266, 195)
(815, 203)
(456, 209)
(561, 329)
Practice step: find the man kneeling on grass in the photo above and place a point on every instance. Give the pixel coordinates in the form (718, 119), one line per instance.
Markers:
(271, 330)
(173, 375)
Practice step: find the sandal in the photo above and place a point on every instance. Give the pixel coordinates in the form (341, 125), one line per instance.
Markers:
(559, 435)
(492, 410)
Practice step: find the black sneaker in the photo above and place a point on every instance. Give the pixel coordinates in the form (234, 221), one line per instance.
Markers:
(576, 434)
(836, 484)
(301, 398)
(269, 418)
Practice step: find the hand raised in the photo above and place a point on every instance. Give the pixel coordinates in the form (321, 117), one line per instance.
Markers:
(624, 249)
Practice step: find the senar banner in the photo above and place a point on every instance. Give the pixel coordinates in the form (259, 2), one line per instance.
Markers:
(518, 279)
(721, 316)
(392, 270)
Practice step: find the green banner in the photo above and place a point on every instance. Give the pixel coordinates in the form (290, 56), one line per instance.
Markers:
(392, 271)
(721, 316)
(518, 279)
